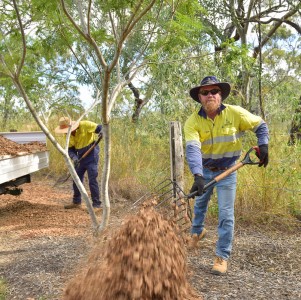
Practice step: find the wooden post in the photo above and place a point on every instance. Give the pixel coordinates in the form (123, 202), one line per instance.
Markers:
(176, 154)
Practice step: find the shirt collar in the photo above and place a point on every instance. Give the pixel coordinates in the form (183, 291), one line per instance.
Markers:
(203, 114)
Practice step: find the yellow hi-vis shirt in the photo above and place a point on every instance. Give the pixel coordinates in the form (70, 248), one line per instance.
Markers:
(84, 135)
(220, 139)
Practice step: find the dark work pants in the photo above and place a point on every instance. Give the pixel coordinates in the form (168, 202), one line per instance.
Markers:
(92, 170)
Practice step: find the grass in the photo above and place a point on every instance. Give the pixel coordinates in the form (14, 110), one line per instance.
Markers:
(264, 193)
(3, 289)
(140, 159)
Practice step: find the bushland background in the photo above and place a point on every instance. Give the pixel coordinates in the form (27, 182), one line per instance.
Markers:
(137, 61)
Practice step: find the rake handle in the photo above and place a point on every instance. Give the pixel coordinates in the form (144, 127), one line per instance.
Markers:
(226, 173)
(218, 178)
(246, 161)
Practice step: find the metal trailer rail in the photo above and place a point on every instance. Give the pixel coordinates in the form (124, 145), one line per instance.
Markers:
(15, 170)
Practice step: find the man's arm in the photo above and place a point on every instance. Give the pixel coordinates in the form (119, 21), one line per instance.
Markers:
(262, 134)
(98, 129)
(194, 157)
(72, 152)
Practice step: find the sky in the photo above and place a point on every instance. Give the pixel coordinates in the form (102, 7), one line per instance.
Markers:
(85, 96)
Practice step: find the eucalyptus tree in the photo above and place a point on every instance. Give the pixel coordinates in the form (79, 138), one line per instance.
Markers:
(231, 22)
(49, 36)
(281, 74)
(177, 64)
(47, 75)
(25, 69)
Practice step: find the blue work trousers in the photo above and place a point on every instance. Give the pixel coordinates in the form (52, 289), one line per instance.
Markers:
(226, 192)
(92, 170)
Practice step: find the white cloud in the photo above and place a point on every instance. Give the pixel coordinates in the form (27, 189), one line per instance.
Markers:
(86, 96)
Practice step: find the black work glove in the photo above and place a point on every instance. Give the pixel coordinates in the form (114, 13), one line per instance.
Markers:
(100, 135)
(263, 155)
(198, 185)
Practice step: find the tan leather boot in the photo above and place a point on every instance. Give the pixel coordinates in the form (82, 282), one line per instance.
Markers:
(96, 209)
(195, 238)
(219, 266)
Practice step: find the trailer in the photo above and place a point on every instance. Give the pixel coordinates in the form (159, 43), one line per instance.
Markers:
(17, 166)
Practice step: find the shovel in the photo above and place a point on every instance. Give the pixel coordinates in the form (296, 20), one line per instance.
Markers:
(63, 179)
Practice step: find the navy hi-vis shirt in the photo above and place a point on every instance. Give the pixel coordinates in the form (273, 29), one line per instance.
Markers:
(217, 143)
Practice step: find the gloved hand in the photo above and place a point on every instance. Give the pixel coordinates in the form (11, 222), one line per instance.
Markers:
(263, 155)
(198, 185)
(75, 162)
(100, 135)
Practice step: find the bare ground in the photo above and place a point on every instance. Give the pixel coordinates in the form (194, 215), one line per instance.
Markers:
(43, 246)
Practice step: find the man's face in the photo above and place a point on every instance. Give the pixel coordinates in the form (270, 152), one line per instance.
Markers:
(210, 98)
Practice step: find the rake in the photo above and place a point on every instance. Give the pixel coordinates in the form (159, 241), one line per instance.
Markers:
(171, 201)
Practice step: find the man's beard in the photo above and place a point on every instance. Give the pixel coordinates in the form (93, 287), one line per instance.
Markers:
(211, 107)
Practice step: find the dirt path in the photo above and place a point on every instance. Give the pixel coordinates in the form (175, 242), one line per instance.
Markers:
(42, 246)
(264, 265)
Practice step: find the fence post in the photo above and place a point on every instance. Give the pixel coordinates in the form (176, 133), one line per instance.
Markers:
(176, 154)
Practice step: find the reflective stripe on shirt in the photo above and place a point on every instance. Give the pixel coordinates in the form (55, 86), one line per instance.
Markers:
(219, 140)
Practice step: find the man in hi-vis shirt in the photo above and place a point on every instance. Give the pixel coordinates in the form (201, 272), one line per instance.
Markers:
(213, 144)
(84, 136)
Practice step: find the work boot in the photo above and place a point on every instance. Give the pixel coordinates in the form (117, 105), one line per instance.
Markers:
(72, 205)
(219, 266)
(195, 238)
(96, 209)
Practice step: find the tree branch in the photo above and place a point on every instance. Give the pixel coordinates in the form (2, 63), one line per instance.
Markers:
(19, 68)
(89, 16)
(128, 28)
(87, 37)
(292, 24)
(273, 30)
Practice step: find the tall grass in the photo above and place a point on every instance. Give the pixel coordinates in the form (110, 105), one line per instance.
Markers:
(140, 160)
(265, 195)
(272, 194)
(3, 289)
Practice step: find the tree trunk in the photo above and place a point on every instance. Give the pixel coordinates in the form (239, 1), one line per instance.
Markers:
(295, 131)
(105, 177)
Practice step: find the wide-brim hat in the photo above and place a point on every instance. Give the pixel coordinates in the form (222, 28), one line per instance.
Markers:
(211, 80)
(64, 124)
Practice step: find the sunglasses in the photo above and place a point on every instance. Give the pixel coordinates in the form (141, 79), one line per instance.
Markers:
(206, 92)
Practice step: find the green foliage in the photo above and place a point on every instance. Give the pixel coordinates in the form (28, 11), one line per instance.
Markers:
(185, 27)
(234, 58)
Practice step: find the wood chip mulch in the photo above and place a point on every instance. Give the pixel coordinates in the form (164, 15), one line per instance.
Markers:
(43, 248)
(8, 147)
(145, 259)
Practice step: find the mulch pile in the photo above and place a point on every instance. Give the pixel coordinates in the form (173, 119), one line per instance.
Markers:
(145, 259)
(8, 147)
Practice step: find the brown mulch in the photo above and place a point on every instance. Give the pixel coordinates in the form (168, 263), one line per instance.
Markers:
(8, 147)
(144, 259)
(44, 247)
